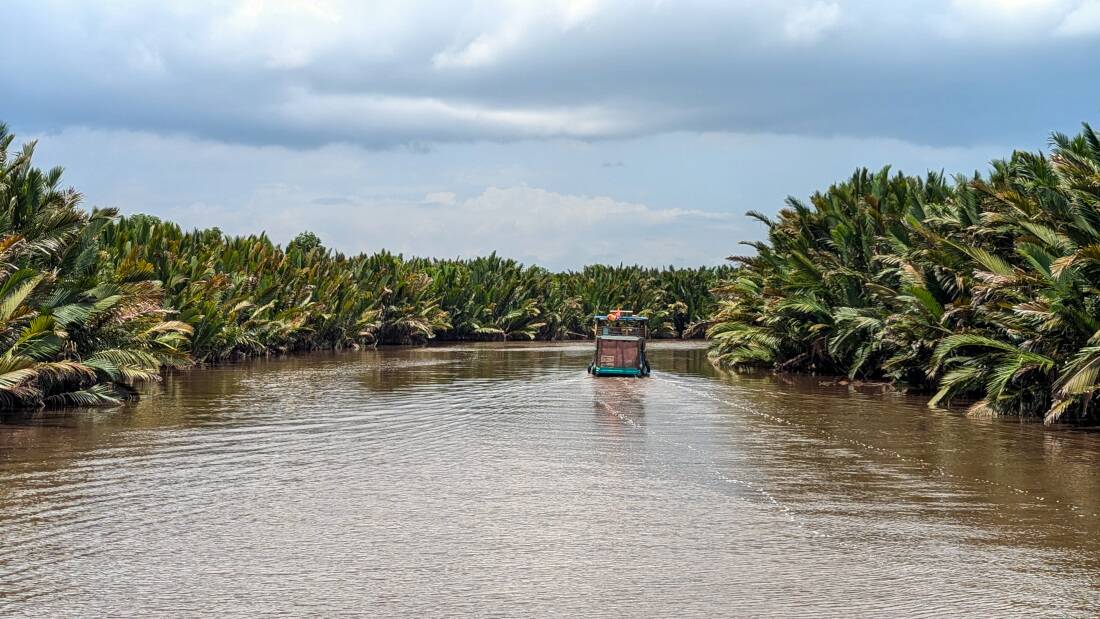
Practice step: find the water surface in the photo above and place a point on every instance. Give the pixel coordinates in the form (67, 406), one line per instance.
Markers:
(503, 480)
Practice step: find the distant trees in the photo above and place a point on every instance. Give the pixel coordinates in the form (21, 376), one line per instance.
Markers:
(305, 242)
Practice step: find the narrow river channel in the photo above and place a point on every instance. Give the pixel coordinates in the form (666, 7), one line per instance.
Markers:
(503, 480)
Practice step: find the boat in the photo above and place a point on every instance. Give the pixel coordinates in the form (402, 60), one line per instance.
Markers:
(620, 345)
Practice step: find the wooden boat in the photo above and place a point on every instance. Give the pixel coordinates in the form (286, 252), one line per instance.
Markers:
(620, 345)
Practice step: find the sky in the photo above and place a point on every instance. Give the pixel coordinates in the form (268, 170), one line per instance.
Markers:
(557, 132)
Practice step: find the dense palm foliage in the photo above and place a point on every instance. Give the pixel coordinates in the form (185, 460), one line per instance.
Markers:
(983, 288)
(92, 303)
(71, 331)
(245, 296)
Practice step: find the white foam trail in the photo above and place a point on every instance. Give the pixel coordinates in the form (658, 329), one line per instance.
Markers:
(937, 469)
(715, 470)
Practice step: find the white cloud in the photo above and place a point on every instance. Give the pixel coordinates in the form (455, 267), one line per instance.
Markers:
(807, 24)
(485, 49)
(365, 200)
(144, 59)
(440, 197)
(534, 225)
(518, 23)
(363, 117)
(1012, 9)
(680, 200)
(576, 12)
(1006, 20)
(305, 29)
(1081, 21)
(550, 228)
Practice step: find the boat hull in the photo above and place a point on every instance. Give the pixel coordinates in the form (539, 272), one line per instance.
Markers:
(628, 372)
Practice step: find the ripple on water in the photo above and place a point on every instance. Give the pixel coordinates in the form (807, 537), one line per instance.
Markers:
(501, 479)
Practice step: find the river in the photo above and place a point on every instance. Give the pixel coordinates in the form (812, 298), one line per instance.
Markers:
(501, 480)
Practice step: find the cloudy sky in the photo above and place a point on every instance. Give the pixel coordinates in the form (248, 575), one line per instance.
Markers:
(560, 132)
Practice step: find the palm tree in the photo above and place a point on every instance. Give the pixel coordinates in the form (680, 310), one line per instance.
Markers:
(982, 288)
(70, 333)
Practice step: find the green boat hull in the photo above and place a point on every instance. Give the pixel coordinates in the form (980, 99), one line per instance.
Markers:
(598, 371)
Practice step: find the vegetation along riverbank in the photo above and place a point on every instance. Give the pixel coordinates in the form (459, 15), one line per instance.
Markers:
(92, 303)
(984, 287)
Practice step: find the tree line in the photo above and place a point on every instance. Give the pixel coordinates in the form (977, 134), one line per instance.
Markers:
(981, 289)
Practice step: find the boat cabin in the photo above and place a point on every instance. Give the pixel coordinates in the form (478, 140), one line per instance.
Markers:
(620, 345)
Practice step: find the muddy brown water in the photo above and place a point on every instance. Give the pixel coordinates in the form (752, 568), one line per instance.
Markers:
(503, 480)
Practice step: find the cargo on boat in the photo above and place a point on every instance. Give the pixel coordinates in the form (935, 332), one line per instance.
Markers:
(620, 345)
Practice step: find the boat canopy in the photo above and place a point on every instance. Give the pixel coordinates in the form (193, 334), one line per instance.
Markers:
(623, 318)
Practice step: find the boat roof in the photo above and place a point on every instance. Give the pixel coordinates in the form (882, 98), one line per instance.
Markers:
(619, 338)
(623, 318)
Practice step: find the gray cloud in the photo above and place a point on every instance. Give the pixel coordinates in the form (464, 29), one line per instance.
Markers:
(382, 73)
(458, 128)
